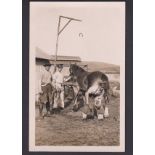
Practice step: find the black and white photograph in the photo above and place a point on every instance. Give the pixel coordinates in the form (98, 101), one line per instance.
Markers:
(77, 77)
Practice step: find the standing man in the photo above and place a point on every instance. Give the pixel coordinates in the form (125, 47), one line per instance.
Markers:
(58, 79)
(46, 96)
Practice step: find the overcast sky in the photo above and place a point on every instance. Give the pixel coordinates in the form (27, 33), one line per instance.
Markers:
(102, 26)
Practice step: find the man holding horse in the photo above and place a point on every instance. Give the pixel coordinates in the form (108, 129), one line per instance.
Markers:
(58, 79)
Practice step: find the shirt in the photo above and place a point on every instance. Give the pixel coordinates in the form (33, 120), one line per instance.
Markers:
(46, 78)
(58, 79)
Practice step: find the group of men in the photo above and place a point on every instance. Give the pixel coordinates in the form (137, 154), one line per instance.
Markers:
(52, 95)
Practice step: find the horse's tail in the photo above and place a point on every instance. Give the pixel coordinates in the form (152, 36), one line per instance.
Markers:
(105, 85)
(105, 82)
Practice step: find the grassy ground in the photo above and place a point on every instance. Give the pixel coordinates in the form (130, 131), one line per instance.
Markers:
(68, 128)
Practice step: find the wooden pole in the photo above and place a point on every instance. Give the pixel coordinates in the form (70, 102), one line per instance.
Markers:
(57, 41)
(58, 33)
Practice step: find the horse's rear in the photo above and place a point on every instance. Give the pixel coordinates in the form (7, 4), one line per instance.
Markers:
(91, 83)
(98, 78)
(98, 85)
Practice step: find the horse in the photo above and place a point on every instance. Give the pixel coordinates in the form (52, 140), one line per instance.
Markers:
(90, 83)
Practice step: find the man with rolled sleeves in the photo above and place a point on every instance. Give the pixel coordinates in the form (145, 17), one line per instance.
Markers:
(46, 96)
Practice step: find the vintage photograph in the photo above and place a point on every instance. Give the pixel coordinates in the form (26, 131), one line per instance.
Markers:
(77, 77)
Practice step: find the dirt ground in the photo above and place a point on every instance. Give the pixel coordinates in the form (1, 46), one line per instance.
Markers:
(68, 129)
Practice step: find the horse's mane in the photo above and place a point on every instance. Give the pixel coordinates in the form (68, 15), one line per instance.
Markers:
(77, 70)
(80, 69)
(85, 79)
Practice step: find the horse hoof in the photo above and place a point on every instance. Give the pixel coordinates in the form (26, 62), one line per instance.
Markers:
(100, 116)
(106, 113)
(84, 116)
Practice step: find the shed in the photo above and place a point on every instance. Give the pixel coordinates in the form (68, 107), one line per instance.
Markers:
(43, 58)
(66, 60)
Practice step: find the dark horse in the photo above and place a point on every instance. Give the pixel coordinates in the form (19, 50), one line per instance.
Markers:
(90, 83)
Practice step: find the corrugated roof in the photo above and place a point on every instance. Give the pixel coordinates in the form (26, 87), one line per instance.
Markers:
(66, 58)
(65, 62)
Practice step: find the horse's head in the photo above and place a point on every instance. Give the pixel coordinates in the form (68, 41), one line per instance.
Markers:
(75, 70)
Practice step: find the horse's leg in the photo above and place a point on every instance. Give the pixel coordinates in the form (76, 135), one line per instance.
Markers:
(88, 104)
(87, 98)
(106, 99)
(100, 112)
(87, 112)
(84, 99)
(73, 92)
(75, 105)
(76, 93)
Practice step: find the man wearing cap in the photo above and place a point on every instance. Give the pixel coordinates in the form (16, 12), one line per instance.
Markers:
(46, 96)
(58, 79)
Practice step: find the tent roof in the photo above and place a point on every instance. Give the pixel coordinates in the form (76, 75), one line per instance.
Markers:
(41, 55)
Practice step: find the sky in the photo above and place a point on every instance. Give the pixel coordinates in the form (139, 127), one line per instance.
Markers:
(102, 26)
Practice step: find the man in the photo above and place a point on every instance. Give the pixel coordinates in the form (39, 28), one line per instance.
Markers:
(46, 96)
(95, 108)
(58, 79)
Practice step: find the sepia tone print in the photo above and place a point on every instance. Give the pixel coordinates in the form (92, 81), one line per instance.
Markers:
(77, 76)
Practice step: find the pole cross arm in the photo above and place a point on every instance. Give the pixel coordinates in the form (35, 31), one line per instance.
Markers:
(71, 18)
